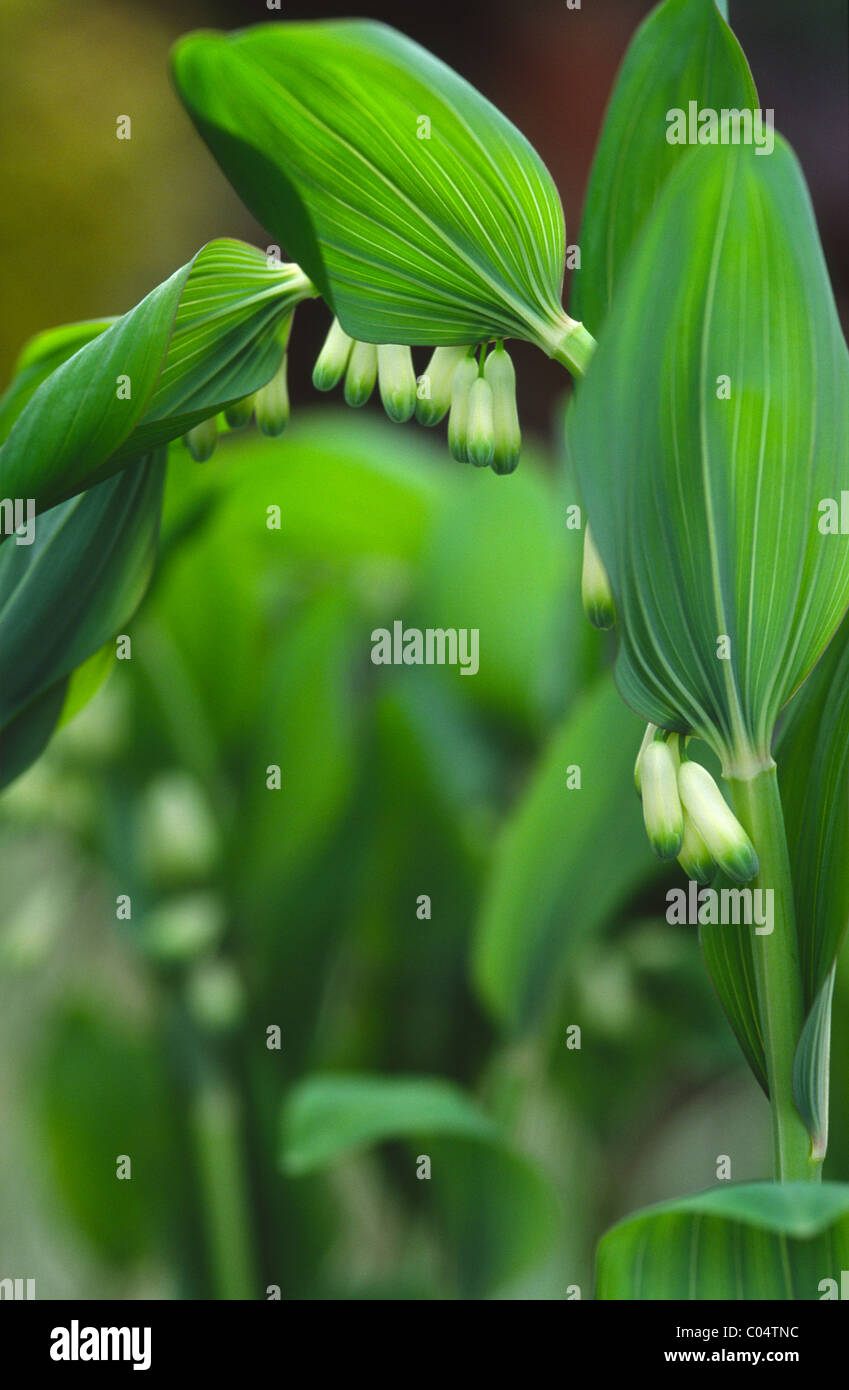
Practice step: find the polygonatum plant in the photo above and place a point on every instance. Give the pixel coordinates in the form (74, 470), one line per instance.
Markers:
(708, 429)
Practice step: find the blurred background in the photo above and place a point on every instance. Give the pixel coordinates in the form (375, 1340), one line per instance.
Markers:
(304, 909)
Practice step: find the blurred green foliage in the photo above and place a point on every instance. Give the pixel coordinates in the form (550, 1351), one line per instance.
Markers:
(300, 909)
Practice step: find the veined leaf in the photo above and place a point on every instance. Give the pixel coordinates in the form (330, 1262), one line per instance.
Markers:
(813, 765)
(752, 1241)
(730, 961)
(419, 211)
(41, 356)
(203, 339)
(723, 365)
(65, 595)
(683, 52)
(567, 858)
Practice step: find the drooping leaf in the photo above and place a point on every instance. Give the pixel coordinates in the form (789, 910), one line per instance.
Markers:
(41, 356)
(67, 594)
(683, 52)
(499, 1210)
(327, 1116)
(752, 1241)
(206, 337)
(729, 957)
(723, 365)
(567, 859)
(419, 211)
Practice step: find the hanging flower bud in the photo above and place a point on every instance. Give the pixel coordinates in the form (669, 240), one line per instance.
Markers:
(498, 371)
(201, 440)
(595, 587)
(239, 414)
(333, 359)
(720, 829)
(397, 381)
(438, 376)
(695, 858)
(272, 402)
(465, 376)
(648, 737)
(480, 426)
(662, 812)
(361, 375)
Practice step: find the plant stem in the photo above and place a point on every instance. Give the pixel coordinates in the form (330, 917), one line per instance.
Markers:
(757, 802)
(215, 1121)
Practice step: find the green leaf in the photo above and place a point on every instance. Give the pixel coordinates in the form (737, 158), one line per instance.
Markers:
(566, 861)
(707, 522)
(499, 1210)
(752, 1241)
(41, 356)
(446, 235)
(328, 1116)
(101, 1093)
(682, 52)
(205, 338)
(811, 1068)
(68, 593)
(729, 957)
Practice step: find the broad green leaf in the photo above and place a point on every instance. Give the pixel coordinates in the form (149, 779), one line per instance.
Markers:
(499, 1210)
(101, 1092)
(328, 1116)
(752, 1241)
(566, 861)
(206, 337)
(41, 356)
(86, 681)
(67, 594)
(723, 365)
(419, 211)
(729, 957)
(683, 52)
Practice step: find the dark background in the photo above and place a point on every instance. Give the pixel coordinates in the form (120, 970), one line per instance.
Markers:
(96, 222)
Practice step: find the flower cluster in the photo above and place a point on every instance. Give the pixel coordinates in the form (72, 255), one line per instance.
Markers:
(686, 816)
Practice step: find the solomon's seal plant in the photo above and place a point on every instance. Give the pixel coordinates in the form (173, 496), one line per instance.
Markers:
(713, 417)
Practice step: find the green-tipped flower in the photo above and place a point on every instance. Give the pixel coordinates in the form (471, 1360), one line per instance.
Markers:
(465, 376)
(332, 361)
(433, 406)
(695, 858)
(239, 414)
(724, 836)
(397, 381)
(662, 812)
(272, 402)
(361, 375)
(480, 425)
(201, 440)
(498, 371)
(595, 587)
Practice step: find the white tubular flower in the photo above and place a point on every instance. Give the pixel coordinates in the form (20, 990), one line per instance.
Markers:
(465, 376)
(438, 376)
(499, 372)
(272, 403)
(201, 440)
(480, 425)
(720, 829)
(332, 361)
(695, 858)
(397, 381)
(595, 586)
(361, 375)
(662, 812)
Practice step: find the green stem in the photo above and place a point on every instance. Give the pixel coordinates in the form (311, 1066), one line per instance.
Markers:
(215, 1121)
(574, 348)
(757, 802)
